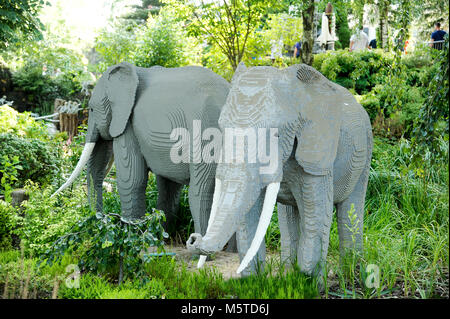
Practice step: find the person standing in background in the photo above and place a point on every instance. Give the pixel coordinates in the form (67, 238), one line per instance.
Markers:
(359, 41)
(297, 48)
(437, 35)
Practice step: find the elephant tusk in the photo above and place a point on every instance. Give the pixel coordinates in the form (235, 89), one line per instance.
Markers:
(264, 221)
(215, 203)
(87, 151)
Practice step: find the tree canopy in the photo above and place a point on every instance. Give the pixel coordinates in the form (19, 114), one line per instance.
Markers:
(19, 19)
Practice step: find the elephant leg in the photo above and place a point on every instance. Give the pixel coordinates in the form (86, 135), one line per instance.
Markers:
(168, 200)
(96, 172)
(350, 226)
(288, 221)
(132, 174)
(245, 234)
(232, 245)
(315, 205)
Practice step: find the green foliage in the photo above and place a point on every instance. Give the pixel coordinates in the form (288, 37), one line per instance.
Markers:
(141, 12)
(47, 69)
(94, 287)
(225, 24)
(40, 161)
(6, 225)
(111, 241)
(392, 88)
(22, 277)
(43, 89)
(43, 219)
(21, 124)
(115, 46)
(360, 71)
(19, 18)
(275, 282)
(432, 122)
(161, 41)
(8, 170)
(168, 279)
(342, 28)
(281, 26)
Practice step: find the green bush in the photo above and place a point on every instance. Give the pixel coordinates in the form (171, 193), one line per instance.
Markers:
(43, 219)
(161, 41)
(360, 71)
(40, 161)
(43, 89)
(6, 225)
(47, 69)
(110, 243)
(21, 124)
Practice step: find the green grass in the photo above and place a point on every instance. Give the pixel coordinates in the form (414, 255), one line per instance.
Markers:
(405, 229)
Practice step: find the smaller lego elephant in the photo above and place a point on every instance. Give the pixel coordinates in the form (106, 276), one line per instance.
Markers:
(132, 114)
(323, 153)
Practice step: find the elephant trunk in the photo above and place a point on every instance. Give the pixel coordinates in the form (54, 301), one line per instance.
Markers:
(229, 203)
(227, 209)
(99, 164)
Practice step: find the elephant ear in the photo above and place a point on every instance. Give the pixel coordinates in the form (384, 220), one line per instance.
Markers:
(320, 110)
(121, 86)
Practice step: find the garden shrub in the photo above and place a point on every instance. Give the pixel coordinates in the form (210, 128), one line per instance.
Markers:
(21, 124)
(40, 161)
(43, 89)
(357, 70)
(6, 225)
(43, 219)
(111, 244)
(161, 41)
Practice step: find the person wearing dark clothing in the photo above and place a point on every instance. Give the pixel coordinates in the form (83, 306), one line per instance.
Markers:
(437, 36)
(297, 48)
(373, 44)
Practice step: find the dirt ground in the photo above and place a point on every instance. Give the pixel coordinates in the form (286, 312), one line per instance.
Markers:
(225, 262)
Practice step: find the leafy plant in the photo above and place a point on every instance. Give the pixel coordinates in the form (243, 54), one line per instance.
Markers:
(110, 241)
(43, 219)
(40, 161)
(8, 170)
(433, 118)
(21, 124)
(20, 17)
(6, 224)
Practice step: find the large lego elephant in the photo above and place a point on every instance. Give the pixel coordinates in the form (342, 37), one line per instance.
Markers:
(133, 112)
(323, 153)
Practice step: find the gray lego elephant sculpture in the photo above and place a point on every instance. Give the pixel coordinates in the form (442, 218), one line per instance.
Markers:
(324, 150)
(132, 113)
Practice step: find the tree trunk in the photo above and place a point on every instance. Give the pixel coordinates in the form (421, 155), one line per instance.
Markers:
(308, 37)
(383, 24)
(68, 123)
